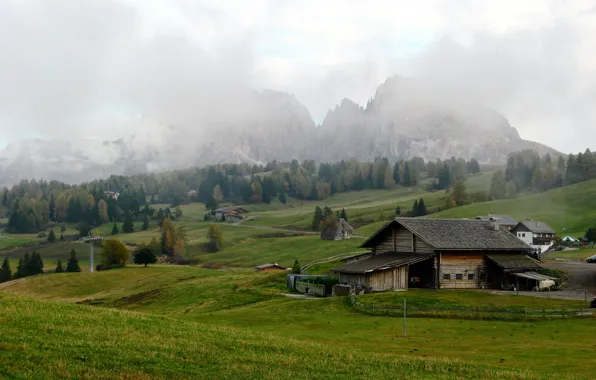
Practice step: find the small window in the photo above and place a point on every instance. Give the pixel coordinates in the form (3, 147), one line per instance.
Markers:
(523, 235)
(471, 276)
(446, 276)
(459, 276)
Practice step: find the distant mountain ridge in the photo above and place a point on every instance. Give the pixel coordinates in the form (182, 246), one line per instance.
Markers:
(404, 119)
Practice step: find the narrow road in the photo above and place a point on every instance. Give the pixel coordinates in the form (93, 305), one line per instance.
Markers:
(582, 275)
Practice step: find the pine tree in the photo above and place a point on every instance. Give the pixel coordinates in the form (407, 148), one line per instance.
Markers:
(5, 272)
(396, 178)
(282, 197)
(21, 267)
(128, 225)
(415, 209)
(59, 268)
(115, 230)
(34, 265)
(296, 269)
(343, 214)
(52, 236)
(397, 211)
(72, 265)
(145, 223)
(407, 176)
(460, 195)
(316, 220)
(421, 208)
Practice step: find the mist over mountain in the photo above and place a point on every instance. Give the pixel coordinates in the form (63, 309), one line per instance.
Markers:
(404, 119)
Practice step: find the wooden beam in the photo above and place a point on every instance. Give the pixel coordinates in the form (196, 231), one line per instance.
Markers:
(394, 240)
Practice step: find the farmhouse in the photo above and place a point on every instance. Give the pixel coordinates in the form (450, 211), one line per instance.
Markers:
(536, 234)
(436, 253)
(269, 267)
(505, 221)
(231, 213)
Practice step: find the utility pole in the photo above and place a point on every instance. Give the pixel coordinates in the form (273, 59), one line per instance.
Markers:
(91, 239)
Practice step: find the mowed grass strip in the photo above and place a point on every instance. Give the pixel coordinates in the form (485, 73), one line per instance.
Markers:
(44, 340)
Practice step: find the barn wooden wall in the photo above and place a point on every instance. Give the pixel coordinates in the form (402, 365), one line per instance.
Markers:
(390, 279)
(399, 240)
(464, 264)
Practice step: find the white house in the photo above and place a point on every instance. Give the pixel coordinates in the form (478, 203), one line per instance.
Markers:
(536, 234)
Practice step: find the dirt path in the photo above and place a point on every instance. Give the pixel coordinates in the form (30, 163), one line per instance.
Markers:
(582, 275)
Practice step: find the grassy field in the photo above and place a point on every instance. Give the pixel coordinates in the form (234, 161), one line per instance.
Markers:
(51, 340)
(248, 303)
(568, 210)
(580, 254)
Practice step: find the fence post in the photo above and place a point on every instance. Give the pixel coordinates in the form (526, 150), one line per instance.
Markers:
(405, 318)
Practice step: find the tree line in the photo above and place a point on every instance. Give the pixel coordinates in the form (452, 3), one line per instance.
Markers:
(528, 171)
(34, 205)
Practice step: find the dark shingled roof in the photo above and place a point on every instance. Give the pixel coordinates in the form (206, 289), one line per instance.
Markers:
(457, 235)
(382, 261)
(505, 220)
(537, 227)
(262, 266)
(514, 262)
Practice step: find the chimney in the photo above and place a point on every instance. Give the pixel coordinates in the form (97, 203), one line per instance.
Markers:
(494, 225)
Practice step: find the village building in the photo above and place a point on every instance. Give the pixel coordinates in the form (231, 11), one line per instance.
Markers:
(343, 230)
(231, 213)
(112, 194)
(437, 253)
(505, 221)
(269, 267)
(536, 234)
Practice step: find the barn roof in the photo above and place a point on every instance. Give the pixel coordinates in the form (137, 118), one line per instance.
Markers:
(382, 261)
(262, 266)
(231, 208)
(514, 262)
(455, 235)
(536, 227)
(505, 220)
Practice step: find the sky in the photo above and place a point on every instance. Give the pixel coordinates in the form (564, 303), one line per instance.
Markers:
(100, 68)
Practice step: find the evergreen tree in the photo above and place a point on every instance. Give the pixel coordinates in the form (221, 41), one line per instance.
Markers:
(317, 218)
(407, 175)
(115, 230)
(473, 166)
(22, 266)
(72, 265)
(282, 197)
(296, 269)
(52, 236)
(397, 211)
(590, 235)
(415, 208)
(396, 178)
(144, 256)
(5, 272)
(214, 238)
(145, 223)
(343, 215)
(421, 208)
(128, 225)
(460, 195)
(34, 265)
(59, 268)
(498, 186)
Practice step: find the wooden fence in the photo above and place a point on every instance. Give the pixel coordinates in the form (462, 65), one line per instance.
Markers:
(466, 312)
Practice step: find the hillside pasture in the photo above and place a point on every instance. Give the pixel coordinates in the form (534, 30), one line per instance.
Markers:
(569, 210)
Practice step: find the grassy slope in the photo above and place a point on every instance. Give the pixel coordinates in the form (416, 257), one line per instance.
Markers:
(569, 210)
(51, 340)
(247, 300)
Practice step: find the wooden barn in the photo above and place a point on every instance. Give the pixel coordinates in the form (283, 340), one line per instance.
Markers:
(435, 253)
(269, 267)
